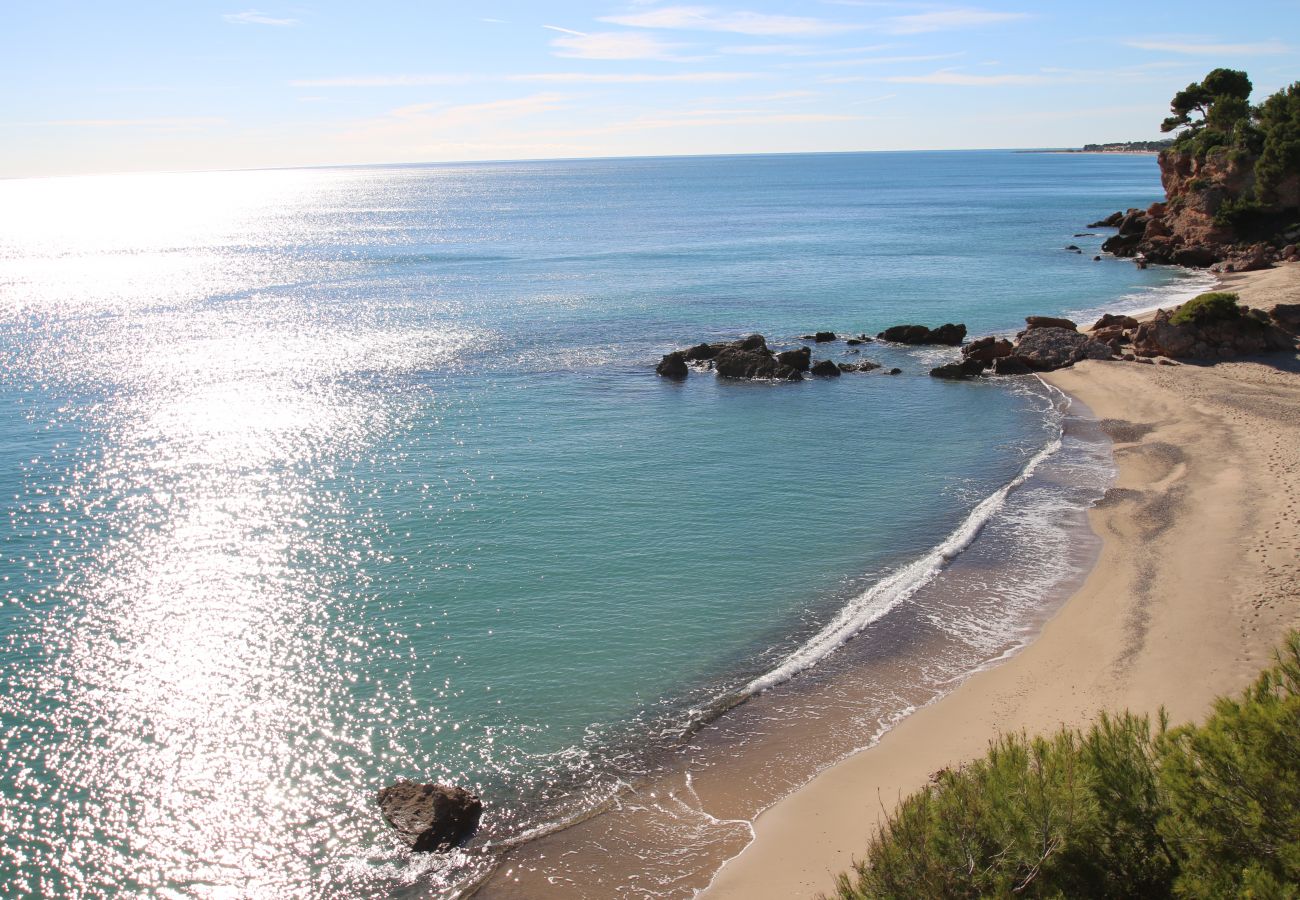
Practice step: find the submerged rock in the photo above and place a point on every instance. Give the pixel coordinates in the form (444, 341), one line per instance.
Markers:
(430, 817)
(825, 337)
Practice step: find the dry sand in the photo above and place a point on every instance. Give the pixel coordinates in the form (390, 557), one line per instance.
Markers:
(1198, 578)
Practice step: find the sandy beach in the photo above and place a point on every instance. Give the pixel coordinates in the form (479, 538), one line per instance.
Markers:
(1198, 578)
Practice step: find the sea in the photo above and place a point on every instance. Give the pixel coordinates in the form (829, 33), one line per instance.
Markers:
(315, 479)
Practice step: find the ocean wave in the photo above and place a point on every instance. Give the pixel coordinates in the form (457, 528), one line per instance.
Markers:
(902, 583)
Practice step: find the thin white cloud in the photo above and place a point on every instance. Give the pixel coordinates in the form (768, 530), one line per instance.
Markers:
(427, 80)
(256, 17)
(564, 30)
(167, 123)
(798, 50)
(965, 79)
(631, 78)
(876, 60)
(711, 118)
(613, 45)
(380, 81)
(1205, 48)
(704, 18)
(948, 20)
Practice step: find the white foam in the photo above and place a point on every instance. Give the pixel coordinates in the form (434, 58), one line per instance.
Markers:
(899, 585)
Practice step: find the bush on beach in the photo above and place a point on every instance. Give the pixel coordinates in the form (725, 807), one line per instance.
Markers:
(1123, 809)
(1212, 307)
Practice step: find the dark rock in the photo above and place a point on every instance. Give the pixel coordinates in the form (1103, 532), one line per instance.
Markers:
(1049, 322)
(1085, 234)
(853, 342)
(1113, 321)
(1197, 257)
(1110, 221)
(752, 342)
(1011, 365)
(949, 334)
(1045, 348)
(1134, 222)
(987, 349)
(1122, 244)
(895, 371)
(796, 359)
(737, 362)
(1211, 337)
(430, 817)
(825, 337)
(1096, 259)
(1073, 248)
(1287, 316)
(703, 351)
(967, 368)
(673, 365)
(827, 369)
(865, 366)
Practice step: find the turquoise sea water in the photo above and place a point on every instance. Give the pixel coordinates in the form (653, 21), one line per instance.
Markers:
(316, 478)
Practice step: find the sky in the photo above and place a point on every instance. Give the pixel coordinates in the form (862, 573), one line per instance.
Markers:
(193, 85)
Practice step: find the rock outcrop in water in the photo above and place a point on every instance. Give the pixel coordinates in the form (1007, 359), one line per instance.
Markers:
(430, 817)
(751, 358)
(950, 335)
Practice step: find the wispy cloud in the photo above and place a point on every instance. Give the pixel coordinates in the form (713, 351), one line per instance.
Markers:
(613, 45)
(255, 17)
(1207, 48)
(631, 77)
(948, 20)
(704, 18)
(380, 81)
(875, 60)
(797, 50)
(426, 80)
(965, 79)
(564, 30)
(165, 123)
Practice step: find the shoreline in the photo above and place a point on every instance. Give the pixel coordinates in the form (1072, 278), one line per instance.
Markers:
(1195, 584)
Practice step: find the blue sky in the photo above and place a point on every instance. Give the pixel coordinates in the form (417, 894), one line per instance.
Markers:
(102, 87)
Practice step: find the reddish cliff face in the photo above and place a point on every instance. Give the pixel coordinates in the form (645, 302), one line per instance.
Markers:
(1182, 230)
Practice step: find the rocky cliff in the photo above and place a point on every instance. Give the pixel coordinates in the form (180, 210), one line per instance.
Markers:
(1209, 216)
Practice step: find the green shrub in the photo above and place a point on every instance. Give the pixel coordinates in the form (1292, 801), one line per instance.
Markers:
(1234, 212)
(1233, 788)
(1212, 307)
(1120, 810)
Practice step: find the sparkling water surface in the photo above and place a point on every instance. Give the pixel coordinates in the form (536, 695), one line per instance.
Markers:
(312, 479)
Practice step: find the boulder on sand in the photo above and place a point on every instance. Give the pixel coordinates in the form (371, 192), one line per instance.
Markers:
(430, 817)
(1045, 348)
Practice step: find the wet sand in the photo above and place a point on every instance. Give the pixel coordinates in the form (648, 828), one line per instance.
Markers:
(1198, 577)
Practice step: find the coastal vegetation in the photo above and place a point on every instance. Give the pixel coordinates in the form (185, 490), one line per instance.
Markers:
(1231, 179)
(1127, 808)
(1214, 306)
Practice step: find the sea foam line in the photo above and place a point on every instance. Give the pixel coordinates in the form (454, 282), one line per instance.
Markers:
(899, 585)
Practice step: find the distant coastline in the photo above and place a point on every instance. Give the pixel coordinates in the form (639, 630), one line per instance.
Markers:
(1128, 147)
